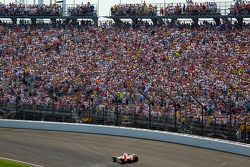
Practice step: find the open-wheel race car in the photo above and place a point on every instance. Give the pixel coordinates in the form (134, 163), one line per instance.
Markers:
(125, 158)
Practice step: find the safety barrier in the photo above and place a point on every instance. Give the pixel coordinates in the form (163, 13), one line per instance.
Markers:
(202, 142)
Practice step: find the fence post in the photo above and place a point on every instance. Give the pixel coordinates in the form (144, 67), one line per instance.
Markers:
(149, 118)
(175, 117)
(34, 116)
(41, 114)
(103, 115)
(89, 107)
(165, 121)
(23, 113)
(231, 105)
(53, 108)
(230, 126)
(18, 97)
(246, 137)
(215, 126)
(134, 119)
(117, 112)
(16, 107)
(202, 121)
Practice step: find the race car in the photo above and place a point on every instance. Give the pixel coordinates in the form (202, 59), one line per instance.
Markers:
(125, 158)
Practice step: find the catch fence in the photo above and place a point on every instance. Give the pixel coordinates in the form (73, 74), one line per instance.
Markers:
(216, 127)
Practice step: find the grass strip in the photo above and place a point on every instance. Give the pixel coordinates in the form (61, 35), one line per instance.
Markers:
(6, 163)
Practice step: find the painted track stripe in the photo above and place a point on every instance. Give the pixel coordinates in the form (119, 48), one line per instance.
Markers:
(27, 163)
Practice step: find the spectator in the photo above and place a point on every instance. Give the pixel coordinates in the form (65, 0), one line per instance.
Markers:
(30, 10)
(240, 8)
(134, 10)
(82, 10)
(190, 9)
(71, 66)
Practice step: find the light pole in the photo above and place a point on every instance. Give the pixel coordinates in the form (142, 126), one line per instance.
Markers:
(98, 6)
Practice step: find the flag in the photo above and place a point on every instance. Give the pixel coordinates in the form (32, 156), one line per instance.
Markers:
(177, 54)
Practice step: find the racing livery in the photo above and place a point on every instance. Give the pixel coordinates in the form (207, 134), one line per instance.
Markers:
(125, 158)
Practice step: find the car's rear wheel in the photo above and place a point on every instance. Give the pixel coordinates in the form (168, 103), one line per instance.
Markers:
(136, 159)
(114, 159)
(122, 161)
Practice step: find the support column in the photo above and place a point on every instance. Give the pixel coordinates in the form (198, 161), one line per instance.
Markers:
(154, 20)
(173, 20)
(240, 21)
(161, 21)
(66, 21)
(217, 21)
(196, 22)
(74, 21)
(53, 20)
(33, 21)
(134, 21)
(95, 20)
(226, 20)
(14, 20)
(117, 21)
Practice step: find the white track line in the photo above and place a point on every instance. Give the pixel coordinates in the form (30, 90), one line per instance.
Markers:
(21, 162)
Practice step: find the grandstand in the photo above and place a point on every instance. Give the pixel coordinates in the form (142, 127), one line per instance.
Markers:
(190, 78)
(158, 13)
(57, 11)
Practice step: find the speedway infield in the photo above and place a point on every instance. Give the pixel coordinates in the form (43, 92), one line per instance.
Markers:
(64, 149)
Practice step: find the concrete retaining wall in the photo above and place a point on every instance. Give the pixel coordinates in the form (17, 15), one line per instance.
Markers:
(202, 142)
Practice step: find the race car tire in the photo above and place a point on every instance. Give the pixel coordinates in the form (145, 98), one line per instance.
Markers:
(114, 159)
(122, 161)
(136, 159)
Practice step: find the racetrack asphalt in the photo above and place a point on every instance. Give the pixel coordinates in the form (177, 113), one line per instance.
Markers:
(63, 149)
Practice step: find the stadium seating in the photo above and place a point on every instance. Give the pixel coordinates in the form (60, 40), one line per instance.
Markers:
(178, 71)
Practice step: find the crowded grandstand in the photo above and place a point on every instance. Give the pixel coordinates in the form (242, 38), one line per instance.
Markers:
(82, 10)
(13, 9)
(19, 9)
(173, 71)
